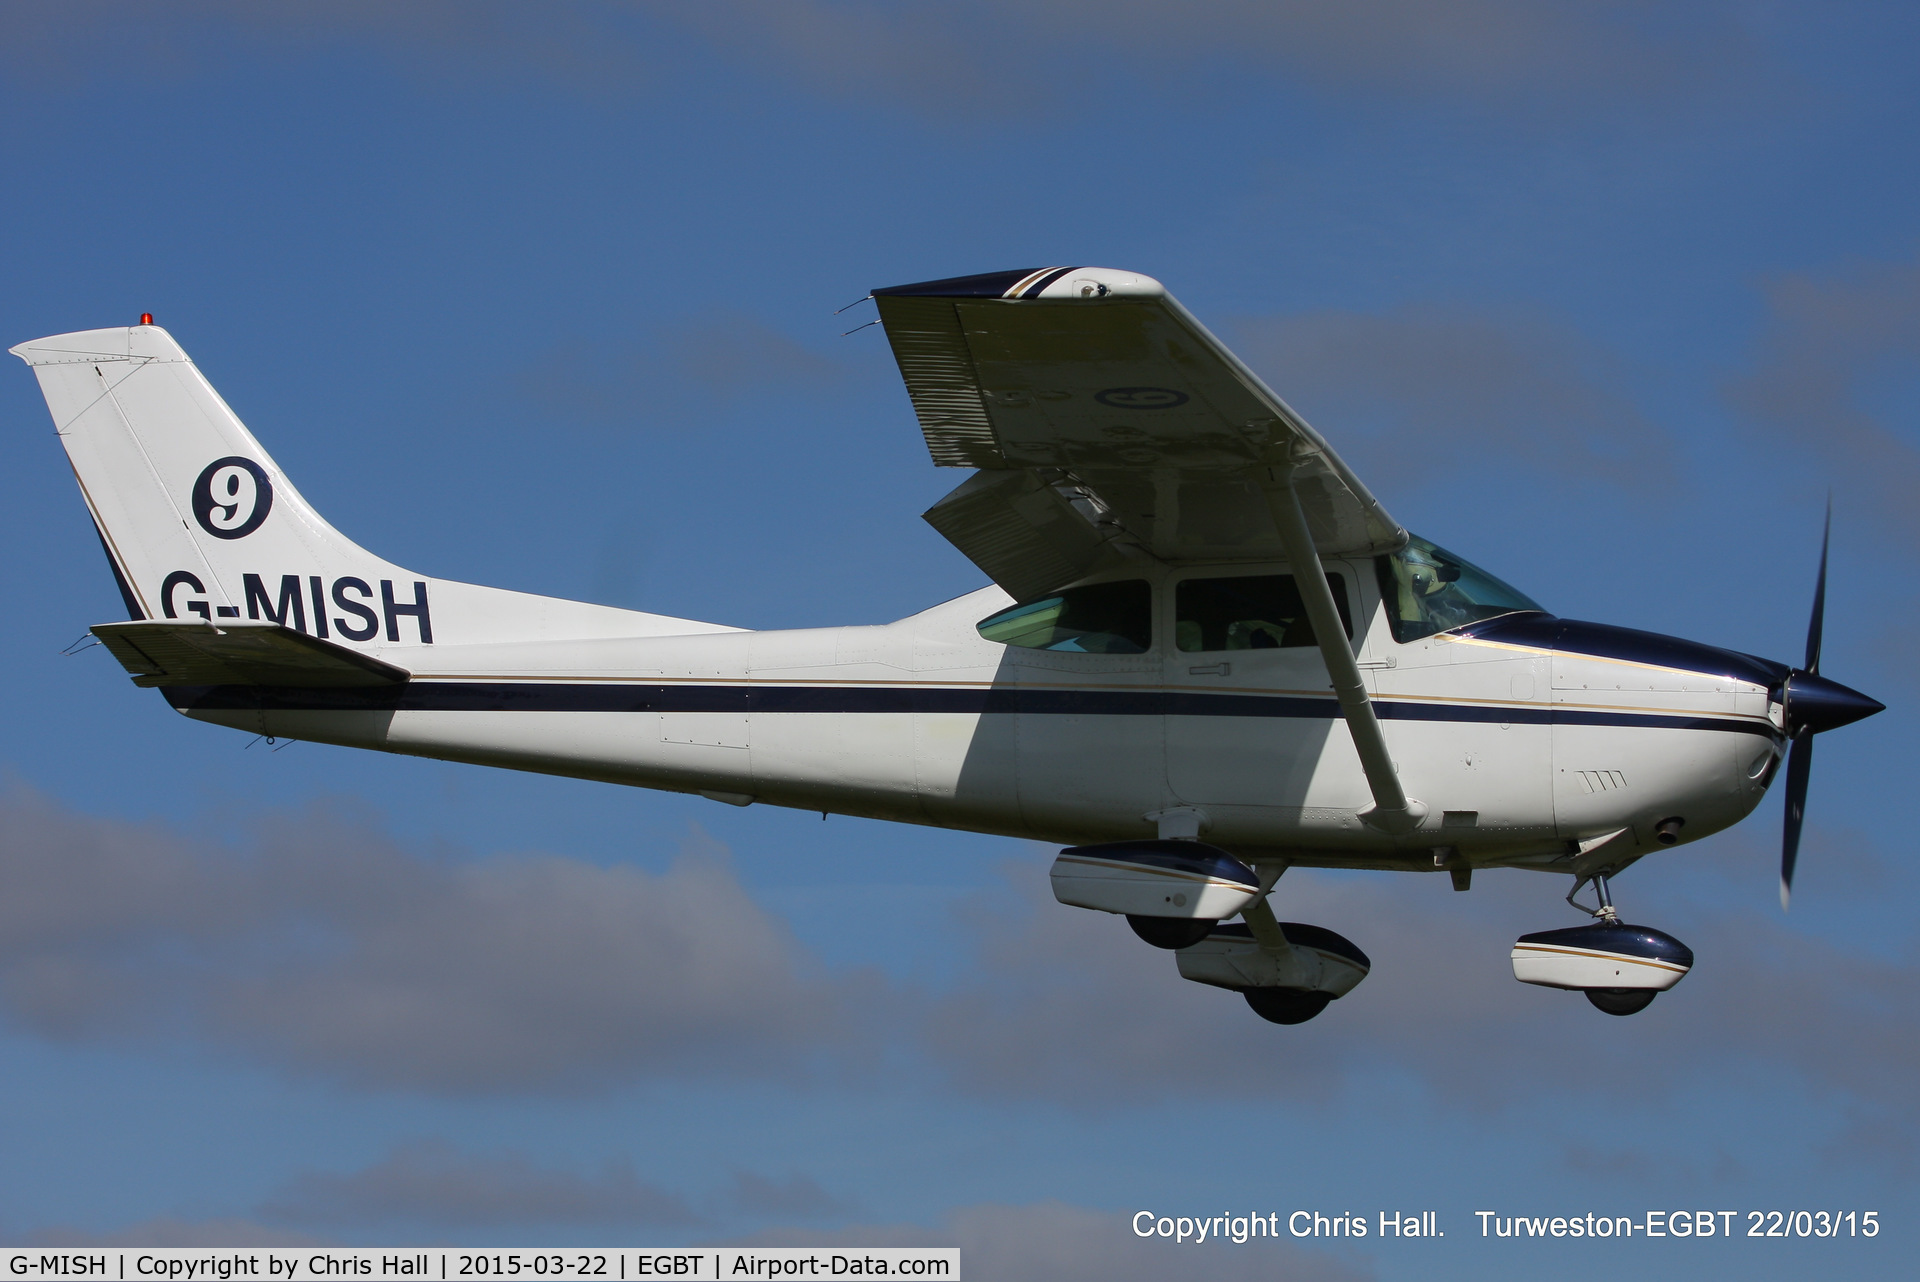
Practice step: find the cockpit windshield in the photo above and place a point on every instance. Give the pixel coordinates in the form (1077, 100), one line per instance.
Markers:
(1428, 589)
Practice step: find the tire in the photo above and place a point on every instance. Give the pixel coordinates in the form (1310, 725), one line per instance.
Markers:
(1621, 1001)
(1172, 932)
(1286, 1005)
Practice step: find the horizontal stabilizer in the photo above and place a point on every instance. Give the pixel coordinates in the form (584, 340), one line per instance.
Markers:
(170, 653)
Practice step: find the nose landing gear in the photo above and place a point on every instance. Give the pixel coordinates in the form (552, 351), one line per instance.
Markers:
(1620, 968)
(1603, 891)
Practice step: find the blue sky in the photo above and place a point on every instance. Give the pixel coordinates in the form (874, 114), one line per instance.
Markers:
(1606, 297)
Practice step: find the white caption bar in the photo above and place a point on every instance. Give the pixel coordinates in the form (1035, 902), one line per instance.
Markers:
(394, 1264)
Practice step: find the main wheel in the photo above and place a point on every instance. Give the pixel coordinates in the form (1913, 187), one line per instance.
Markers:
(1172, 932)
(1621, 1001)
(1286, 1005)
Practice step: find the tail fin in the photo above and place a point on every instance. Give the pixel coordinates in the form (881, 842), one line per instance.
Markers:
(199, 522)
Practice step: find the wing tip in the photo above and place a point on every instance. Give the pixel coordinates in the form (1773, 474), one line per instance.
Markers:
(1033, 282)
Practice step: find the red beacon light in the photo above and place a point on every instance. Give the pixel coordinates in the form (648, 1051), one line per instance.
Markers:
(146, 318)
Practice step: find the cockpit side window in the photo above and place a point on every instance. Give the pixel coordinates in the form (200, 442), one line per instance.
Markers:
(1100, 618)
(1428, 589)
(1251, 612)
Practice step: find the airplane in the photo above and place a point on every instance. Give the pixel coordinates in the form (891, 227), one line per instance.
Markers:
(1207, 654)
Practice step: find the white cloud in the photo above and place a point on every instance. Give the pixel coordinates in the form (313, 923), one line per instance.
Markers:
(434, 1184)
(1061, 999)
(326, 948)
(166, 1231)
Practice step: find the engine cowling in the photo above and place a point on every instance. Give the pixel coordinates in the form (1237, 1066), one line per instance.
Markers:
(1185, 879)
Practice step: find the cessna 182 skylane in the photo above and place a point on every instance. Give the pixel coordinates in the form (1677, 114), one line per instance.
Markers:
(1209, 653)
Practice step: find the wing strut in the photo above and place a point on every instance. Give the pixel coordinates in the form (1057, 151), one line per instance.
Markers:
(1392, 809)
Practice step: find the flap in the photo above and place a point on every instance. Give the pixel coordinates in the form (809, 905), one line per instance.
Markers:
(1028, 536)
(235, 653)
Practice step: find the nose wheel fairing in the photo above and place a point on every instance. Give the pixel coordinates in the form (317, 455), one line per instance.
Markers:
(1621, 968)
(1604, 955)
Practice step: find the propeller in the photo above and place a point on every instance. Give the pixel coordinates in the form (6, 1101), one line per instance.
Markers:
(1813, 704)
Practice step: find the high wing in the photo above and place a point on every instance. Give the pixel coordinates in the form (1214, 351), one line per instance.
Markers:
(1107, 423)
(170, 653)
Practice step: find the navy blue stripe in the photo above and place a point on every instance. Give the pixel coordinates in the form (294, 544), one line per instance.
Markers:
(1632, 941)
(134, 611)
(1522, 715)
(986, 285)
(1604, 641)
(1033, 291)
(1655, 721)
(540, 696)
(1558, 716)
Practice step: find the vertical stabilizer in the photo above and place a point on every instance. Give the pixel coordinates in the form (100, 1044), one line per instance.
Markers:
(199, 522)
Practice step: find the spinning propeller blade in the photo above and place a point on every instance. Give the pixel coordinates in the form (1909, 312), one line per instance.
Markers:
(1800, 754)
(1799, 766)
(1813, 704)
(1817, 624)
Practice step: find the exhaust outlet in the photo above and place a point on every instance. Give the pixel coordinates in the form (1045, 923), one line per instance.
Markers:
(1667, 831)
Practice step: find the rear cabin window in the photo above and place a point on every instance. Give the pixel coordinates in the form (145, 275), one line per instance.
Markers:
(1252, 612)
(1100, 618)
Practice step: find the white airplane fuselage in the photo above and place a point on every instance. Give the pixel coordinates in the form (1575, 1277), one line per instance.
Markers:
(1522, 743)
(1179, 692)
(1210, 653)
